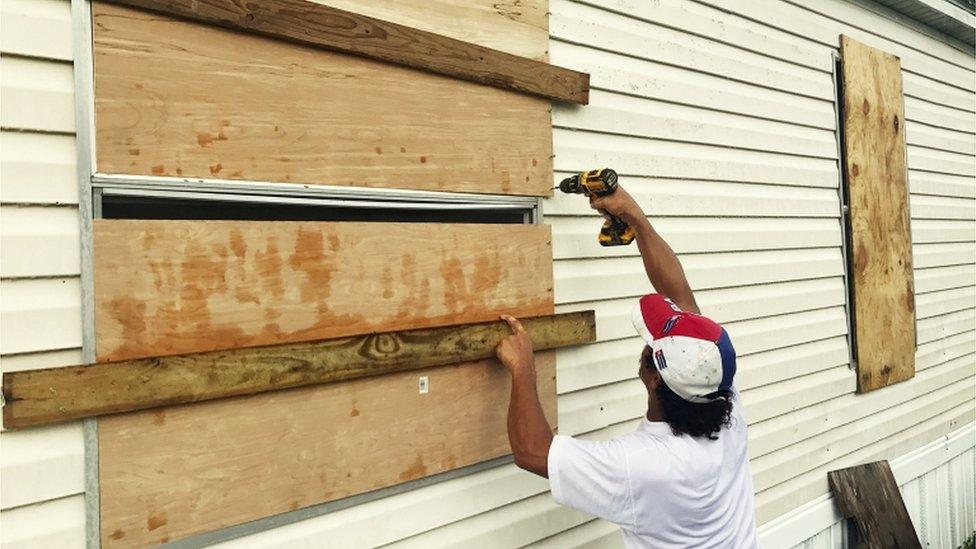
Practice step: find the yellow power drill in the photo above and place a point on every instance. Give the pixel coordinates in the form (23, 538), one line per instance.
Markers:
(601, 183)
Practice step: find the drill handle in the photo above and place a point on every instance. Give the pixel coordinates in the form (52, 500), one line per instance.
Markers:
(615, 232)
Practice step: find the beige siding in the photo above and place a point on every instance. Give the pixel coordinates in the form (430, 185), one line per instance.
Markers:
(41, 470)
(786, 313)
(719, 115)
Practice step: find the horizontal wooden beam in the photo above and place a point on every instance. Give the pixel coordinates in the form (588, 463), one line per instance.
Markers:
(317, 25)
(36, 397)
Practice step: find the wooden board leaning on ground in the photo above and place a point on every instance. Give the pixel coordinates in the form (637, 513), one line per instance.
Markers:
(170, 473)
(870, 495)
(874, 157)
(175, 287)
(176, 98)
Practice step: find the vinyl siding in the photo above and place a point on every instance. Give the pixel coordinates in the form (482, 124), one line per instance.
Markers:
(719, 115)
(41, 470)
(783, 307)
(937, 484)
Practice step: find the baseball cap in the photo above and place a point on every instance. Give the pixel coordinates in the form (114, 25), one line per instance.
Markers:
(693, 354)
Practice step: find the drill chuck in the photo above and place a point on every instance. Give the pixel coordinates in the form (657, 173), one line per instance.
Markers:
(594, 182)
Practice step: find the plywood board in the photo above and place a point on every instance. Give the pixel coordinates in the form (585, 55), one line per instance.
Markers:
(518, 27)
(874, 158)
(869, 494)
(313, 24)
(36, 397)
(170, 473)
(177, 98)
(175, 287)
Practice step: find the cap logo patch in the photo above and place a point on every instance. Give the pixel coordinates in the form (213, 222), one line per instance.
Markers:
(659, 358)
(674, 307)
(669, 324)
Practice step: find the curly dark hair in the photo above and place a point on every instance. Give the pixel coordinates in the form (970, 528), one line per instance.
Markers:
(691, 418)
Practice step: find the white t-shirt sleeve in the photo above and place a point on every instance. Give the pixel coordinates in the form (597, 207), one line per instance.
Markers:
(593, 477)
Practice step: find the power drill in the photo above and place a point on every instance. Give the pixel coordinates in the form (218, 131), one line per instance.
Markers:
(601, 183)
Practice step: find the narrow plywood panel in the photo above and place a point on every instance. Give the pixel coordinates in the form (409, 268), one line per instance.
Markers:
(225, 462)
(175, 287)
(518, 27)
(56, 394)
(874, 155)
(184, 99)
(325, 27)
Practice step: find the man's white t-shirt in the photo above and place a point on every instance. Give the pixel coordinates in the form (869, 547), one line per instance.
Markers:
(662, 490)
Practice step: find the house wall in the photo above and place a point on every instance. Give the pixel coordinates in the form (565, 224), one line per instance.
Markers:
(938, 487)
(41, 470)
(719, 115)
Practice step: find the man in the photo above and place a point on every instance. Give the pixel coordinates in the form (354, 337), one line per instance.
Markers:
(682, 478)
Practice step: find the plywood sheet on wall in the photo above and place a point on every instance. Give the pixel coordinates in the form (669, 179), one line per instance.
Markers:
(874, 156)
(173, 472)
(177, 98)
(172, 287)
(519, 27)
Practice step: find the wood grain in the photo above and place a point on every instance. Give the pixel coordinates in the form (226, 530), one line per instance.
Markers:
(177, 287)
(177, 98)
(318, 25)
(874, 161)
(869, 494)
(37, 397)
(518, 27)
(173, 472)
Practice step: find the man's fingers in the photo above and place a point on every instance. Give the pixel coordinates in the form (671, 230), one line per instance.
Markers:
(514, 324)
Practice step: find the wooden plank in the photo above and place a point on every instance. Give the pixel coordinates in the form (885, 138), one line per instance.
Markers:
(518, 27)
(869, 494)
(286, 113)
(50, 395)
(874, 161)
(275, 452)
(321, 26)
(177, 287)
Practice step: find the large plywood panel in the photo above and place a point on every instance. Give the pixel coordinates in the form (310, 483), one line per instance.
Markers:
(184, 99)
(173, 287)
(874, 156)
(173, 472)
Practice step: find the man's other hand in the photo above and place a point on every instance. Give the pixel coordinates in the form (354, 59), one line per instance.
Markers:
(515, 351)
(620, 204)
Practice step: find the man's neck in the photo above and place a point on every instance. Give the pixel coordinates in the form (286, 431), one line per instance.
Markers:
(654, 410)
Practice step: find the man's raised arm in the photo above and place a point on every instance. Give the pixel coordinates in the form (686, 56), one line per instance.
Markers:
(662, 265)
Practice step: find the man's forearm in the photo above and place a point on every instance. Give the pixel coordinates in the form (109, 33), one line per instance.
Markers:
(528, 431)
(662, 266)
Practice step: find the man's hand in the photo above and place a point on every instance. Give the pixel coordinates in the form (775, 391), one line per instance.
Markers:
(515, 351)
(622, 205)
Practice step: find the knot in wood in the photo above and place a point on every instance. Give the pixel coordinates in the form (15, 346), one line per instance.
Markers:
(380, 346)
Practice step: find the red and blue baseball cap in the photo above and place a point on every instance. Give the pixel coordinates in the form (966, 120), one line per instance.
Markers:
(693, 354)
